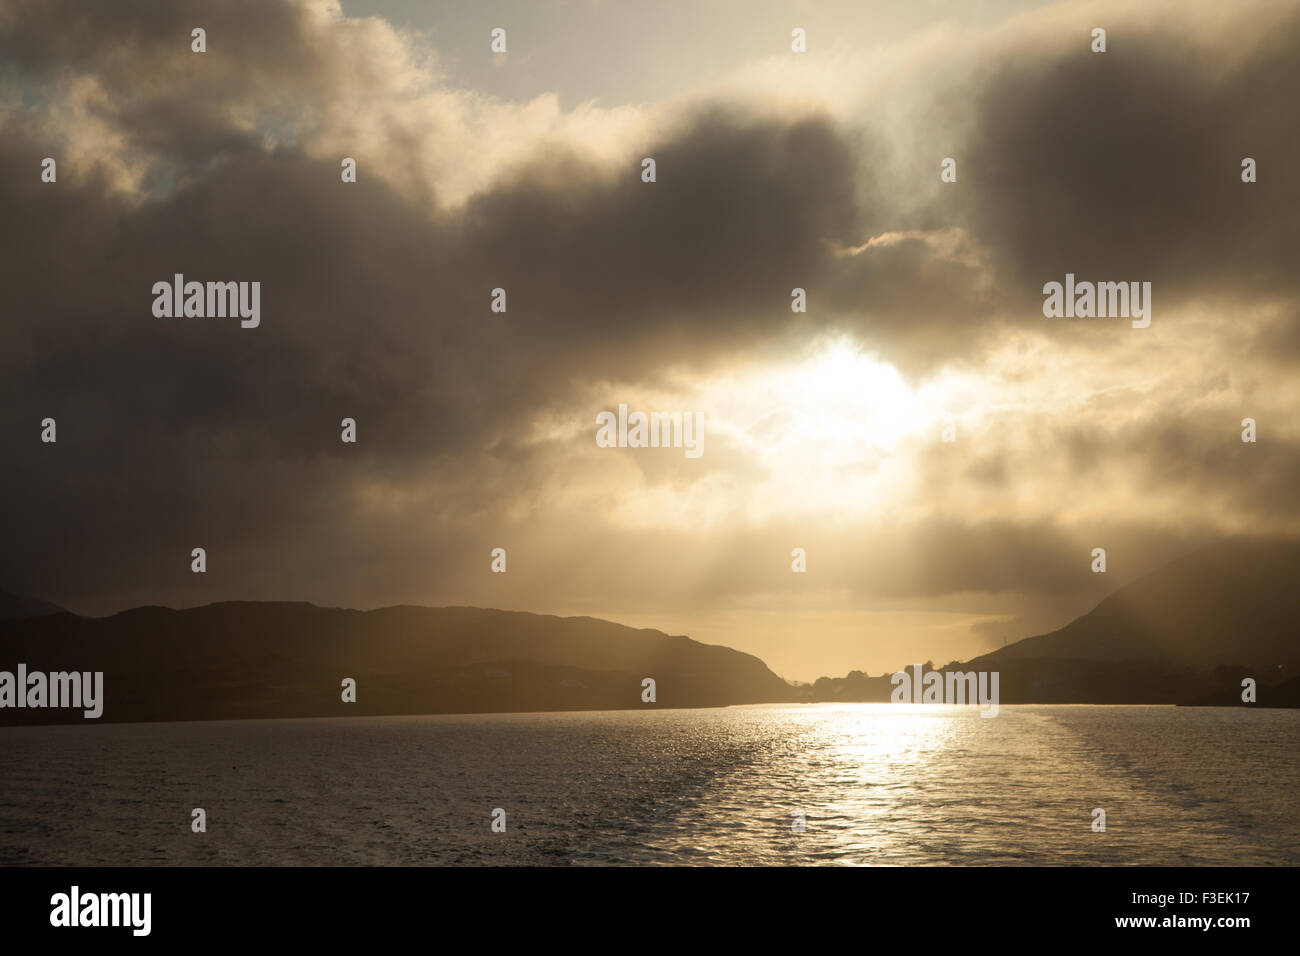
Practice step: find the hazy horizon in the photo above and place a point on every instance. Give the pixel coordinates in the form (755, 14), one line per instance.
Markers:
(918, 657)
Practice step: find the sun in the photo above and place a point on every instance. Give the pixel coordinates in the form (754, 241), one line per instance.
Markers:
(835, 398)
(826, 429)
(843, 395)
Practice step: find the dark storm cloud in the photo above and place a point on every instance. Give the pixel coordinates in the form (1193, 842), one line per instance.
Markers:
(375, 309)
(177, 432)
(371, 306)
(738, 218)
(1127, 164)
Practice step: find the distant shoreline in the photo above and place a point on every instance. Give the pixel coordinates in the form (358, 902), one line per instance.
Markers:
(603, 710)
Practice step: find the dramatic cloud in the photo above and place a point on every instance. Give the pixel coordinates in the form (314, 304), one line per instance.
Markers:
(476, 428)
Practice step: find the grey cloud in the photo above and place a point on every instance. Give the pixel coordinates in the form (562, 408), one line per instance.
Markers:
(1127, 165)
(375, 304)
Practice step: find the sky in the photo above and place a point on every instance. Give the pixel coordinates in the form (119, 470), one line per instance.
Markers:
(774, 170)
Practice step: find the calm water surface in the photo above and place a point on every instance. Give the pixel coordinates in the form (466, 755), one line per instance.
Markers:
(877, 783)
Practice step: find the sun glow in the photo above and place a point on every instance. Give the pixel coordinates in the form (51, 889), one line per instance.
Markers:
(842, 394)
(839, 400)
(828, 430)
(830, 433)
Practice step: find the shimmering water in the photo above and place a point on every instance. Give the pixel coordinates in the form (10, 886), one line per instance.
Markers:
(878, 784)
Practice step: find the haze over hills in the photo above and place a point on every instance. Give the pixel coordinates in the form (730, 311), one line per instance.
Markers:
(1186, 633)
(1222, 605)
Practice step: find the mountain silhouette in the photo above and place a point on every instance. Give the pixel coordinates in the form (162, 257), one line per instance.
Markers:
(1187, 633)
(1225, 604)
(15, 605)
(256, 660)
